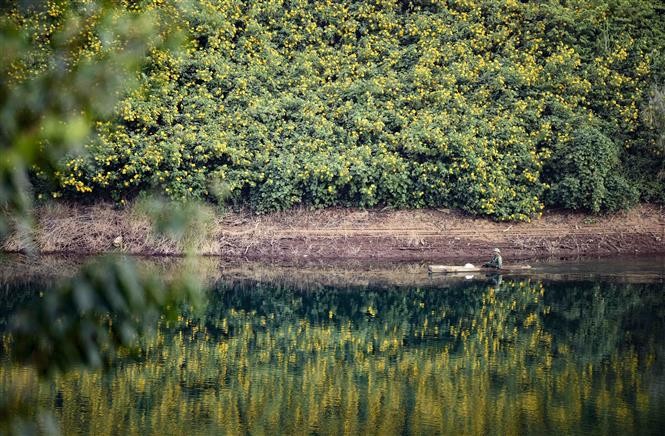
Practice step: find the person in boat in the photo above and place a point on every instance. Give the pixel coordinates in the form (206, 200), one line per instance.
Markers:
(496, 261)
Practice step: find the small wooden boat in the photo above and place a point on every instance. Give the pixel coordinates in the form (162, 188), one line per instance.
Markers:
(472, 268)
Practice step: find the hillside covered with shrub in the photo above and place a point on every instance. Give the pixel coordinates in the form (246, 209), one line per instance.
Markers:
(496, 107)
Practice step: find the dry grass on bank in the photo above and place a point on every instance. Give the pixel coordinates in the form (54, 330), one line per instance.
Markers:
(66, 228)
(340, 233)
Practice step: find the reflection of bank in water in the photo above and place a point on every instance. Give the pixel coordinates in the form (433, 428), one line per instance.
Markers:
(314, 275)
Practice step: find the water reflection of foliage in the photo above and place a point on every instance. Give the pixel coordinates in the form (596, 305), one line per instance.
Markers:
(595, 320)
(86, 321)
(404, 317)
(14, 296)
(471, 359)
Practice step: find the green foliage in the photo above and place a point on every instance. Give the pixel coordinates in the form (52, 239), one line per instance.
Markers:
(90, 317)
(64, 65)
(400, 103)
(648, 162)
(586, 174)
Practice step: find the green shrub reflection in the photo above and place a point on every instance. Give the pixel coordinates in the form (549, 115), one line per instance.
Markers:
(475, 358)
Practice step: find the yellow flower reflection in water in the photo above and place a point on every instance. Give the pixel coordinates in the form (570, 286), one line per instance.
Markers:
(418, 363)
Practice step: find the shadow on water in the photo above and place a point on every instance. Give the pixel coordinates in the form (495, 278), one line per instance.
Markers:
(339, 353)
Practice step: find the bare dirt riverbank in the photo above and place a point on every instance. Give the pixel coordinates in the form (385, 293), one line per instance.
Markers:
(353, 234)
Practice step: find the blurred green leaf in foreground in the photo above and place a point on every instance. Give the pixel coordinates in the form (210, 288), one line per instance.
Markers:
(107, 307)
(55, 84)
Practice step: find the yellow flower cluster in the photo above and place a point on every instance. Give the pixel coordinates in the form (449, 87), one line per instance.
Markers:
(411, 104)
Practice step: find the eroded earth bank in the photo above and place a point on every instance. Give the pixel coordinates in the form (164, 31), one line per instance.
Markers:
(348, 234)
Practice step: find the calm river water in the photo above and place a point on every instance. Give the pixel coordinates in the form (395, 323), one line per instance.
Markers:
(545, 354)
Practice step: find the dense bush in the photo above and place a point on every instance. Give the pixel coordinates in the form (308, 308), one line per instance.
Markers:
(586, 174)
(647, 162)
(479, 105)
